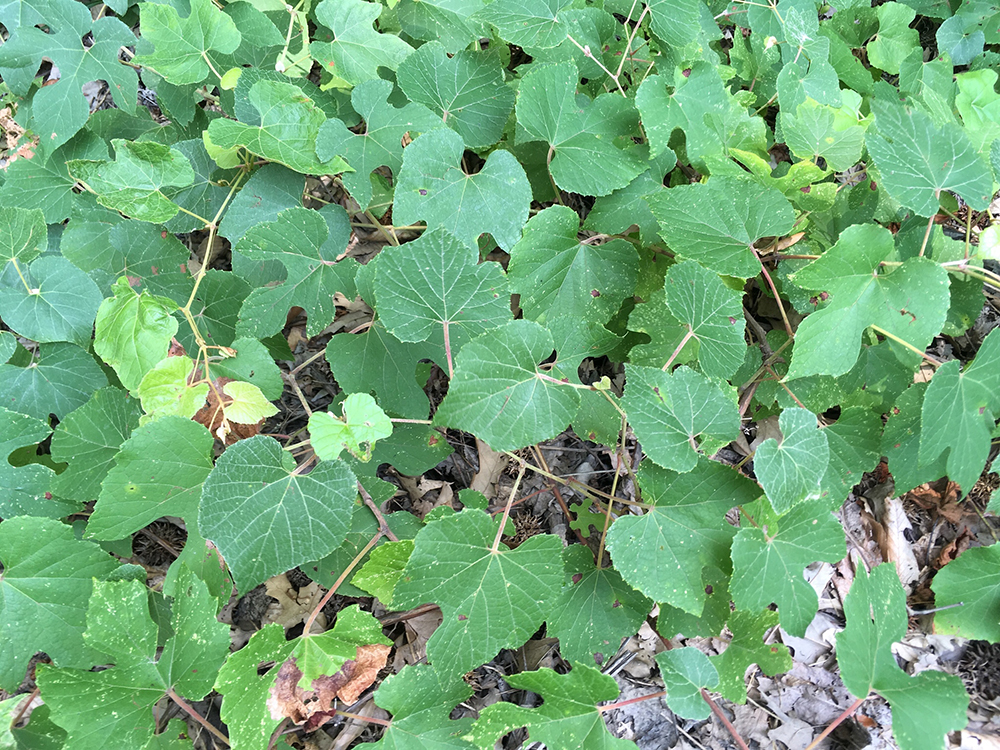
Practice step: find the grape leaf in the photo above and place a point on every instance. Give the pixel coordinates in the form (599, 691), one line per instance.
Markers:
(247, 404)
(502, 395)
(714, 614)
(527, 23)
(895, 39)
(925, 707)
(268, 192)
(568, 717)
(747, 647)
(158, 472)
(308, 243)
(23, 235)
(134, 182)
(909, 303)
(420, 699)
(717, 222)
(918, 161)
(668, 411)
(265, 518)
(363, 423)
(357, 50)
(665, 332)
(133, 332)
(446, 21)
(971, 581)
(615, 213)
(959, 413)
(383, 570)
(56, 302)
(685, 672)
(43, 594)
(582, 156)
(489, 599)
(181, 46)
(167, 389)
(556, 274)
(713, 313)
(901, 443)
(433, 188)
(663, 552)
(61, 378)
(769, 559)
(595, 611)
(24, 489)
(252, 364)
(88, 438)
(207, 194)
(114, 706)
(467, 91)
(790, 470)
(45, 183)
(818, 130)
(854, 449)
(436, 283)
(287, 131)
(380, 145)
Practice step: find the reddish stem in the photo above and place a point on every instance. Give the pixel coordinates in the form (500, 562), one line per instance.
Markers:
(725, 722)
(186, 708)
(836, 722)
(336, 584)
(630, 701)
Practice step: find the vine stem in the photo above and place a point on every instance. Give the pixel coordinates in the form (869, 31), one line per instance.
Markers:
(184, 706)
(774, 291)
(306, 632)
(614, 489)
(506, 511)
(725, 721)
(630, 701)
(927, 235)
(447, 351)
(687, 337)
(383, 525)
(932, 360)
(835, 723)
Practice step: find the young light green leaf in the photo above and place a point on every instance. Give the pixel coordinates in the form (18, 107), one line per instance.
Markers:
(166, 389)
(747, 647)
(925, 707)
(663, 552)
(53, 301)
(918, 161)
(43, 594)
(685, 672)
(59, 379)
(133, 331)
(817, 130)
(383, 570)
(357, 50)
(501, 393)
(23, 235)
(134, 182)
(323, 656)
(158, 472)
(489, 599)
(557, 275)
(265, 518)
(971, 583)
(252, 364)
(248, 405)
(910, 303)
(959, 413)
(713, 313)
(717, 222)
(569, 713)
(467, 91)
(363, 423)
(895, 39)
(769, 559)
(380, 145)
(790, 471)
(433, 188)
(308, 243)
(181, 46)
(669, 411)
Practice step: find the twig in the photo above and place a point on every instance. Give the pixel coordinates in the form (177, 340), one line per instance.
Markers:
(835, 723)
(725, 722)
(186, 708)
(506, 511)
(382, 523)
(336, 584)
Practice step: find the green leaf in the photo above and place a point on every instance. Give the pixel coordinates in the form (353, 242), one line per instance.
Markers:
(88, 438)
(918, 160)
(135, 181)
(265, 518)
(325, 654)
(23, 235)
(713, 313)
(158, 472)
(380, 145)
(167, 390)
(489, 599)
(665, 332)
(114, 706)
(527, 23)
(206, 195)
(43, 594)
(971, 583)
(717, 222)
(556, 274)
(433, 188)
(421, 698)
(181, 47)
(747, 647)
(268, 192)
(909, 303)
(446, 21)
(56, 302)
(248, 405)
(818, 130)
(568, 717)
(790, 470)
(363, 423)
(61, 378)
(901, 443)
(769, 559)
(308, 243)
(854, 449)
(925, 707)
(895, 39)
(663, 552)
(685, 672)
(595, 611)
(582, 155)
(669, 411)
(252, 364)
(501, 393)
(383, 570)
(286, 133)
(24, 489)
(133, 332)
(959, 411)
(357, 50)
(467, 91)
(436, 284)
